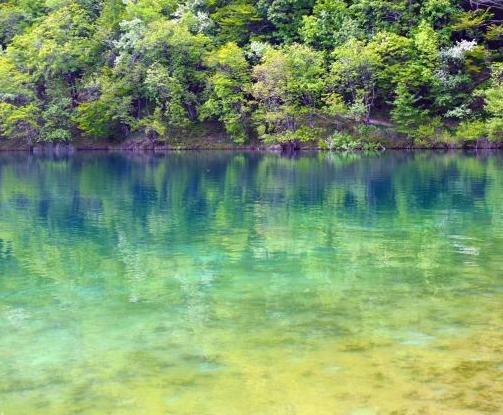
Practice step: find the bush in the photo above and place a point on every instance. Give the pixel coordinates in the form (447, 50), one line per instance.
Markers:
(471, 131)
(426, 134)
(494, 129)
(343, 141)
(303, 134)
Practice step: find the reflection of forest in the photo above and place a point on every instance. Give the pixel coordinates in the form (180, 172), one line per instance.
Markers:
(186, 268)
(196, 214)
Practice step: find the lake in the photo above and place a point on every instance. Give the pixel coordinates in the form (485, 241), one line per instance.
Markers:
(249, 283)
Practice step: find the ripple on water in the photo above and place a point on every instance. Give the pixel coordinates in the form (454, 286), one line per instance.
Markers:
(364, 411)
(415, 338)
(209, 367)
(17, 316)
(468, 250)
(332, 368)
(187, 297)
(172, 400)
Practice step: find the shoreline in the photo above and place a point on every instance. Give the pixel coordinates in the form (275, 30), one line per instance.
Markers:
(212, 143)
(265, 149)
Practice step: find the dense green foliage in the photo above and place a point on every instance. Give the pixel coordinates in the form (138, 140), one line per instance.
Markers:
(277, 70)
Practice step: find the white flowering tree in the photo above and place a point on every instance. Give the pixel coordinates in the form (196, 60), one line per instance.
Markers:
(454, 78)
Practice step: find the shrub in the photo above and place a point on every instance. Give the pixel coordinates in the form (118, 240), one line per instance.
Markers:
(343, 141)
(470, 131)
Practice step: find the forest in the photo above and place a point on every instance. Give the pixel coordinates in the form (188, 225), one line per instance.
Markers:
(339, 74)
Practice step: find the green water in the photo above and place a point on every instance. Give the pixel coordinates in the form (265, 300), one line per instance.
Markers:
(231, 283)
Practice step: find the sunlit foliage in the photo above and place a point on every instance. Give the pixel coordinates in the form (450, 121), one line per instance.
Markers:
(271, 70)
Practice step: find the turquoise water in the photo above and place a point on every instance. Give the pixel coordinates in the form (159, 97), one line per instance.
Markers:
(241, 283)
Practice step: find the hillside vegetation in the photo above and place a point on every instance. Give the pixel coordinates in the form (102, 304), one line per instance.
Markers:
(344, 74)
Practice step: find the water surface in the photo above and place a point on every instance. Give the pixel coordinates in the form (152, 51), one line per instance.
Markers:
(236, 283)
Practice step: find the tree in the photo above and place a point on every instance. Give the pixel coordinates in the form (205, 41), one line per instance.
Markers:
(158, 67)
(286, 16)
(269, 90)
(438, 13)
(228, 88)
(167, 93)
(288, 86)
(13, 20)
(395, 52)
(54, 53)
(19, 106)
(58, 46)
(106, 105)
(330, 25)
(426, 44)
(373, 16)
(171, 44)
(305, 79)
(406, 112)
(237, 22)
(153, 82)
(454, 79)
(149, 10)
(353, 74)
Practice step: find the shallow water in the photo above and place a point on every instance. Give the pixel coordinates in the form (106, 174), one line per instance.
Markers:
(235, 283)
